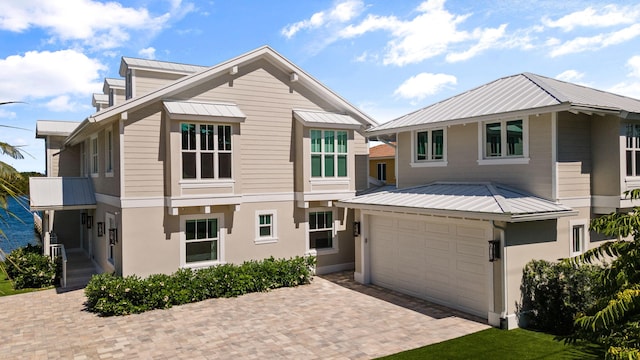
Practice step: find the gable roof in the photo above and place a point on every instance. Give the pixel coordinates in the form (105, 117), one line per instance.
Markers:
(382, 151)
(514, 95)
(482, 200)
(156, 65)
(55, 128)
(223, 69)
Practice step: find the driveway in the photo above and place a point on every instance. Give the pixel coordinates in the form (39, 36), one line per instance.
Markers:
(333, 317)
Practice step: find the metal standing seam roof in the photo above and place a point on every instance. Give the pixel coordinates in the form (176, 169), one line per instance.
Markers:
(519, 92)
(61, 193)
(486, 200)
(100, 98)
(159, 65)
(113, 82)
(204, 109)
(55, 127)
(319, 118)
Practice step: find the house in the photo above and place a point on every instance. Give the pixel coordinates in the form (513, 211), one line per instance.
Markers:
(192, 166)
(382, 163)
(489, 179)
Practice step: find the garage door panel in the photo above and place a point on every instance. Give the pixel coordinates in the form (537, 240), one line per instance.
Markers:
(437, 261)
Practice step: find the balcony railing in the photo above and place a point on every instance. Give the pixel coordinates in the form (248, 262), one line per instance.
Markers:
(56, 250)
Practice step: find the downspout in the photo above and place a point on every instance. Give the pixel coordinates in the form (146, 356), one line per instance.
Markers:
(503, 263)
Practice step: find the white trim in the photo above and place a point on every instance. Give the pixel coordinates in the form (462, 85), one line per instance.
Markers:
(268, 197)
(142, 202)
(575, 202)
(273, 237)
(334, 249)
(321, 270)
(108, 168)
(324, 195)
(208, 183)
(330, 181)
(431, 163)
(121, 156)
(108, 199)
(203, 200)
(504, 159)
(584, 240)
(414, 158)
(183, 240)
(554, 155)
(335, 179)
(94, 162)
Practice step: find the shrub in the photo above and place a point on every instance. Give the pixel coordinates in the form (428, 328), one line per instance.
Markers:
(554, 293)
(28, 268)
(109, 295)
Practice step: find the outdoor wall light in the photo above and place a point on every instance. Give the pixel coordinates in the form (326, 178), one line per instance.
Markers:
(356, 228)
(113, 236)
(89, 221)
(494, 250)
(100, 228)
(83, 218)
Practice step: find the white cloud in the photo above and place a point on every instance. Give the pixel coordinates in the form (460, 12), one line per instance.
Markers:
(99, 25)
(488, 38)
(49, 74)
(570, 75)
(64, 103)
(149, 53)
(7, 114)
(631, 87)
(607, 16)
(634, 64)
(596, 42)
(424, 84)
(342, 12)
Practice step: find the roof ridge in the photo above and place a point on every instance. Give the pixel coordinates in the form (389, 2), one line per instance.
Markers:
(540, 80)
(498, 197)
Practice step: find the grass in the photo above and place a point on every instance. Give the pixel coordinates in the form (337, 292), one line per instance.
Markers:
(501, 344)
(6, 287)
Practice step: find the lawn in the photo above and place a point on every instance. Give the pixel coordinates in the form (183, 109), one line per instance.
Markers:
(6, 288)
(501, 344)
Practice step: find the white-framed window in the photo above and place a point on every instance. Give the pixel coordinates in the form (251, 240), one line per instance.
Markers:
(206, 151)
(329, 153)
(108, 145)
(94, 155)
(382, 171)
(202, 238)
(322, 231)
(266, 227)
(578, 237)
(128, 86)
(504, 141)
(632, 147)
(429, 148)
(110, 225)
(112, 97)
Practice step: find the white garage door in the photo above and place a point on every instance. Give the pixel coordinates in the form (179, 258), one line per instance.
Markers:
(443, 262)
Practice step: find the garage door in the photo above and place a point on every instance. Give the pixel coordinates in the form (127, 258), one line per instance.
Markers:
(443, 262)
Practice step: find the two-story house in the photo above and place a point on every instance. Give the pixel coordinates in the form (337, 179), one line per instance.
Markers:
(489, 179)
(192, 166)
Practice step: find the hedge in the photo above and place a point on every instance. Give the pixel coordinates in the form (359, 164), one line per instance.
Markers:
(109, 295)
(27, 267)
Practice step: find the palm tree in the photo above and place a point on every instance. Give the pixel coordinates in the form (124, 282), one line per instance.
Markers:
(8, 175)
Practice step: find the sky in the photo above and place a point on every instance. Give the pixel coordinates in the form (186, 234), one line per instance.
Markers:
(388, 58)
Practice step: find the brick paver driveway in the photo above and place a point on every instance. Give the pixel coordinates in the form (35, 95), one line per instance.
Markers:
(319, 321)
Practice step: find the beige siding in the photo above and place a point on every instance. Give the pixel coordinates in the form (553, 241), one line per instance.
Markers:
(143, 148)
(145, 82)
(69, 161)
(361, 151)
(574, 155)
(108, 184)
(462, 156)
(607, 155)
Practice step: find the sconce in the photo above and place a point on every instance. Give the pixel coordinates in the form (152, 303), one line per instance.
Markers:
(83, 218)
(494, 250)
(113, 236)
(89, 221)
(356, 228)
(100, 228)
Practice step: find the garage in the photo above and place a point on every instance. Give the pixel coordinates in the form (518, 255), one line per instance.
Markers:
(436, 259)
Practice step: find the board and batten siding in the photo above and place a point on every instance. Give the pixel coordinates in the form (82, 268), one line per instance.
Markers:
(143, 154)
(462, 157)
(574, 155)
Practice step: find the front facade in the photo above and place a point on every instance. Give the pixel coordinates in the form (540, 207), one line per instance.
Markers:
(487, 181)
(196, 166)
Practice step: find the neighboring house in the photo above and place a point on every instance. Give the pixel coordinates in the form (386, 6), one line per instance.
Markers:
(191, 166)
(489, 179)
(382, 163)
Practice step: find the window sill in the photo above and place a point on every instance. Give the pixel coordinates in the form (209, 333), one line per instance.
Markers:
(95, 175)
(203, 264)
(261, 241)
(327, 251)
(505, 161)
(333, 181)
(437, 163)
(193, 184)
(109, 174)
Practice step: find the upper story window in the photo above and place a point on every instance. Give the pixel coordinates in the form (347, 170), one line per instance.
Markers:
(328, 153)
(94, 156)
(108, 143)
(633, 149)
(429, 148)
(112, 96)
(206, 151)
(504, 141)
(382, 171)
(128, 85)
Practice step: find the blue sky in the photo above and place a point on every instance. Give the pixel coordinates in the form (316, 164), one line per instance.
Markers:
(386, 57)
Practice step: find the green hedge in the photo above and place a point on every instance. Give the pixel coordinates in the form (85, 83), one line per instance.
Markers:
(553, 293)
(27, 267)
(109, 295)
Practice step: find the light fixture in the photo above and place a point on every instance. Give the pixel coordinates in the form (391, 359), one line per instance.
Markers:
(494, 250)
(113, 236)
(356, 228)
(89, 221)
(83, 218)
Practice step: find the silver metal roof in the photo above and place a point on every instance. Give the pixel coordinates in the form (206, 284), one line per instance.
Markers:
(158, 65)
(473, 200)
(522, 92)
(61, 193)
(323, 119)
(113, 82)
(55, 128)
(216, 110)
(99, 99)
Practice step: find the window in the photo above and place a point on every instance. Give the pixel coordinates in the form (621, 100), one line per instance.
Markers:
(382, 171)
(94, 155)
(109, 152)
(128, 86)
(206, 151)
(266, 231)
(429, 145)
(633, 149)
(328, 153)
(112, 95)
(504, 139)
(321, 230)
(578, 237)
(201, 240)
(110, 222)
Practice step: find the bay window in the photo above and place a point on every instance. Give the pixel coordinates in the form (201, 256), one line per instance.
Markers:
(632, 148)
(206, 151)
(328, 153)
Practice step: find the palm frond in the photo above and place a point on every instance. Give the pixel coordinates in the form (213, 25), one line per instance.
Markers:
(624, 304)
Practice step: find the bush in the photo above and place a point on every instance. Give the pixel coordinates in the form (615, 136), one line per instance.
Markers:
(28, 268)
(554, 293)
(109, 295)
